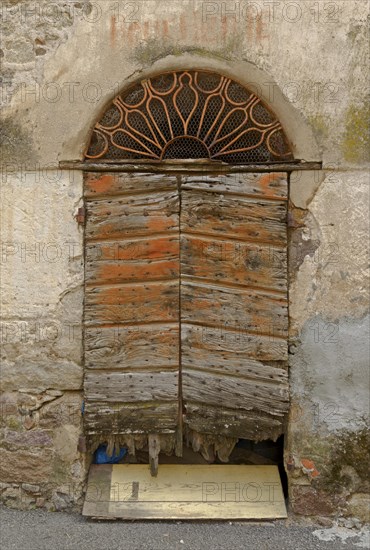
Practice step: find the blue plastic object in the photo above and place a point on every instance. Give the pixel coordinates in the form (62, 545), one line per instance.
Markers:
(101, 456)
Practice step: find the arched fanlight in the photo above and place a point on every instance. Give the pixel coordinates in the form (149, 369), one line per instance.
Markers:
(185, 115)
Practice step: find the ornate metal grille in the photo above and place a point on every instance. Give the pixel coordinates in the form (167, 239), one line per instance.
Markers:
(189, 114)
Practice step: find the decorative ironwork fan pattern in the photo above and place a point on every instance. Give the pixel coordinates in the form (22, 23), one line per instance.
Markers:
(189, 114)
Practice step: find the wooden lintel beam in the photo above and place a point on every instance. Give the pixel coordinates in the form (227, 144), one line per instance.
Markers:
(187, 166)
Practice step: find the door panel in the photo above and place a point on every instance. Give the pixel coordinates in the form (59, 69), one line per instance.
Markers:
(233, 392)
(200, 259)
(222, 344)
(233, 262)
(234, 308)
(131, 305)
(229, 424)
(127, 216)
(116, 387)
(132, 348)
(271, 186)
(225, 214)
(253, 309)
(132, 260)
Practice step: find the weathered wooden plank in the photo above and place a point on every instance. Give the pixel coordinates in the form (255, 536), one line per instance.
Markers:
(131, 388)
(218, 345)
(247, 310)
(142, 259)
(134, 215)
(148, 249)
(214, 492)
(230, 216)
(267, 186)
(246, 264)
(133, 347)
(115, 271)
(235, 392)
(154, 445)
(112, 184)
(184, 166)
(207, 348)
(127, 216)
(133, 303)
(98, 491)
(254, 424)
(107, 418)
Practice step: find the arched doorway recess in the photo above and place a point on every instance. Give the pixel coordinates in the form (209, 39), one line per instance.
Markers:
(186, 311)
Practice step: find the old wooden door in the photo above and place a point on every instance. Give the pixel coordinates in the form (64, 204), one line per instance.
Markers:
(233, 309)
(185, 309)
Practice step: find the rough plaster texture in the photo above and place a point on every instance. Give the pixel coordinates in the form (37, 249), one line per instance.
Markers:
(329, 350)
(61, 66)
(41, 360)
(42, 275)
(333, 276)
(330, 372)
(316, 60)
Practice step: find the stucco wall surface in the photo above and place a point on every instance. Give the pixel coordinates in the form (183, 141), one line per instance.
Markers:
(62, 62)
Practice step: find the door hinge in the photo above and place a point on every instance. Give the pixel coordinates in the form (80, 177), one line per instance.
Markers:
(80, 216)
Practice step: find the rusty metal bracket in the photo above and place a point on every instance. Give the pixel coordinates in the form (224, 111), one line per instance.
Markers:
(80, 216)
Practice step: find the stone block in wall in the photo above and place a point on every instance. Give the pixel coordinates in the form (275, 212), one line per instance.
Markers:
(359, 506)
(24, 466)
(309, 501)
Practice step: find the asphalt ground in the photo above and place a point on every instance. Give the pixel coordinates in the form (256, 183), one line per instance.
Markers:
(41, 530)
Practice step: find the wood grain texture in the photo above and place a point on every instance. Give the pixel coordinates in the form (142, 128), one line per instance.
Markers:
(107, 418)
(235, 392)
(134, 303)
(245, 264)
(247, 310)
(234, 308)
(103, 185)
(132, 291)
(133, 347)
(134, 215)
(123, 272)
(131, 388)
(253, 424)
(230, 233)
(267, 186)
(204, 345)
(133, 251)
(139, 260)
(224, 215)
(186, 492)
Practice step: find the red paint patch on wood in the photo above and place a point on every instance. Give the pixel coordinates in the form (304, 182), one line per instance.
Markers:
(102, 184)
(124, 272)
(266, 183)
(146, 250)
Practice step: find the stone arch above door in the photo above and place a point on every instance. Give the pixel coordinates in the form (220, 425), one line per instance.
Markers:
(189, 114)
